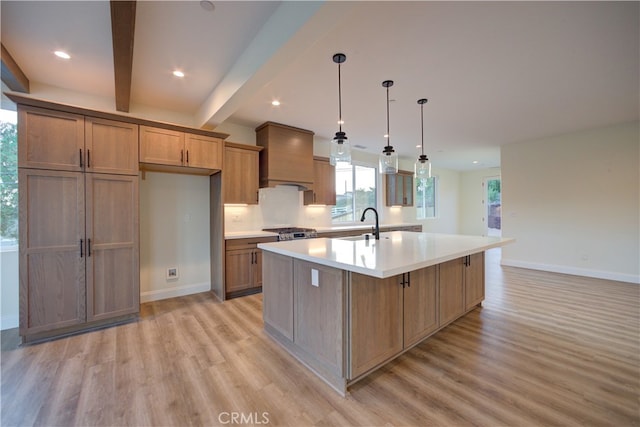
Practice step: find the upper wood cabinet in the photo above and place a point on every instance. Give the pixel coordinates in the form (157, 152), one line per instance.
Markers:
(240, 173)
(399, 189)
(57, 140)
(111, 146)
(287, 157)
(323, 191)
(170, 150)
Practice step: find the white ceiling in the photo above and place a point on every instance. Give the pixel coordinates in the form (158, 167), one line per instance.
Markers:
(494, 72)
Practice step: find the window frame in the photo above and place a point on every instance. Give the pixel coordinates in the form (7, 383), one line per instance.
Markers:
(376, 193)
(436, 202)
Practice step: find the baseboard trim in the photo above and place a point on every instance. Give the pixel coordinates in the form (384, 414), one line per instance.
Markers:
(177, 291)
(598, 274)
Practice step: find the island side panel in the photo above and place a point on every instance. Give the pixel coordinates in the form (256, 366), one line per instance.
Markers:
(277, 290)
(319, 314)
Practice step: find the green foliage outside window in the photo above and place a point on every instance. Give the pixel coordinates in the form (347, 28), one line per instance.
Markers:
(8, 181)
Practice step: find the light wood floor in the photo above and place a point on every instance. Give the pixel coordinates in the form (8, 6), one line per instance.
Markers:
(545, 350)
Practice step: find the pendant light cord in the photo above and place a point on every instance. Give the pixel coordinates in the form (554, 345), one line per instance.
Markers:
(388, 135)
(339, 99)
(422, 125)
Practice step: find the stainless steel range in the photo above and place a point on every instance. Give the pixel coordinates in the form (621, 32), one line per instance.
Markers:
(293, 233)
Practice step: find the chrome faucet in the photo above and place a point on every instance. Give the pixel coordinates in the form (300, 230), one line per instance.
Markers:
(376, 231)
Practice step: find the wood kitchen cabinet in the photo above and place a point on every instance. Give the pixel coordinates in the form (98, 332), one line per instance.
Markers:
(461, 286)
(287, 157)
(167, 150)
(399, 189)
(79, 248)
(55, 140)
(243, 266)
(375, 307)
(240, 173)
(473, 280)
(323, 190)
(420, 305)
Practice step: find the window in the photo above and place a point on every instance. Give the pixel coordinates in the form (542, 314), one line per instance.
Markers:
(8, 178)
(355, 191)
(426, 198)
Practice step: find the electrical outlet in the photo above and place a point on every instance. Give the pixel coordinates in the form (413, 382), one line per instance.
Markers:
(172, 273)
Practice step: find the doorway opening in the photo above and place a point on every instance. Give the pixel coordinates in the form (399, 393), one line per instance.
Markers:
(493, 203)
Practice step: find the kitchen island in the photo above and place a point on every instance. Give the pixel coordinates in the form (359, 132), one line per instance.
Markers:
(344, 307)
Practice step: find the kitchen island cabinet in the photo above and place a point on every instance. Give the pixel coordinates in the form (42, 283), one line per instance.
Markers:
(345, 307)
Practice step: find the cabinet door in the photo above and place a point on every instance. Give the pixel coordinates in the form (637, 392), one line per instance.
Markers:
(240, 174)
(52, 254)
(420, 305)
(393, 187)
(323, 191)
(50, 139)
(112, 147)
(407, 187)
(451, 290)
(161, 146)
(474, 280)
(203, 152)
(375, 321)
(239, 264)
(113, 274)
(257, 268)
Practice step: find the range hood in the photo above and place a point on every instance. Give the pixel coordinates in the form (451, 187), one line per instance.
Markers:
(287, 157)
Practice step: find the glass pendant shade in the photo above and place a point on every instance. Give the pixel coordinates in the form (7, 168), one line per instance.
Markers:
(388, 161)
(423, 167)
(340, 149)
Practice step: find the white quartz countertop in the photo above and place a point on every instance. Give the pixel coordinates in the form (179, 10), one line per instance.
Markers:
(395, 253)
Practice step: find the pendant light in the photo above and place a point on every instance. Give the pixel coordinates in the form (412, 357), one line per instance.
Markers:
(388, 158)
(423, 165)
(340, 147)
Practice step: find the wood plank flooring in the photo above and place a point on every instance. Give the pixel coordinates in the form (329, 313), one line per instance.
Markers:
(544, 350)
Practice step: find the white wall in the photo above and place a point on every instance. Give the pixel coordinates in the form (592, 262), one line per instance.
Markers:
(174, 232)
(572, 202)
(9, 288)
(472, 201)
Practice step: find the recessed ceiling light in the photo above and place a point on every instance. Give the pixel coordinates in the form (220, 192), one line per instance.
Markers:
(61, 54)
(340, 122)
(475, 162)
(178, 73)
(207, 5)
(275, 102)
(386, 135)
(419, 146)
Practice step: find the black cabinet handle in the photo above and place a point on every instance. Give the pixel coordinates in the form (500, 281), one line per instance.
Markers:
(88, 247)
(187, 156)
(181, 156)
(80, 157)
(80, 248)
(408, 279)
(88, 158)
(257, 197)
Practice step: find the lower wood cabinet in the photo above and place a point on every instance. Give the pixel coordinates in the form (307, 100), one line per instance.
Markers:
(78, 250)
(473, 280)
(375, 322)
(461, 286)
(243, 266)
(420, 305)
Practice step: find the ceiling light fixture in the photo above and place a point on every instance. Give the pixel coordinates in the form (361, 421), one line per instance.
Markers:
(178, 73)
(275, 103)
(340, 148)
(423, 165)
(207, 5)
(61, 54)
(388, 158)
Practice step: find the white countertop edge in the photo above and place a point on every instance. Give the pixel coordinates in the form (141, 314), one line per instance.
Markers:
(248, 234)
(382, 274)
(259, 233)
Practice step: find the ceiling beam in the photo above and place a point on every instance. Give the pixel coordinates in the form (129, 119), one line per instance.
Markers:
(123, 24)
(12, 75)
(291, 29)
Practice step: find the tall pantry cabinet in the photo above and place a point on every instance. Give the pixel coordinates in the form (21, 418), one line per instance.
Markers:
(78, 212)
